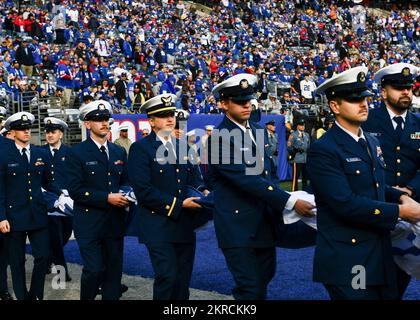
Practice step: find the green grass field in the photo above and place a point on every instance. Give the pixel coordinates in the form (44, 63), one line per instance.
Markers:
(286, 185)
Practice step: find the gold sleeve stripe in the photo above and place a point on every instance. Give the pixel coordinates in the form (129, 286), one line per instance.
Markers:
(172, 207)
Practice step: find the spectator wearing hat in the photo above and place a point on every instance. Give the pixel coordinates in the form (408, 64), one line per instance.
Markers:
(347, 171)
(272, 104)
(24, 171)
(297, 146)
(245, 194)
(121, 91)
(123, 140)
(397, 129)
(60, 224)
(83, 77)
(25, 57)
(137, 97)
(159, 175)
(96, 172)
(46, 86)
(16, 71)
(112, 99)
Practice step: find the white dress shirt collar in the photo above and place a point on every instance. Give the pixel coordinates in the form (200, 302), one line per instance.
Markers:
(351, 134)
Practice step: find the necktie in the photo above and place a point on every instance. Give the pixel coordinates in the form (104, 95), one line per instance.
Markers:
(25, 156)
(248, 131)
(399, 129)
(103, 150)
(171, 153)
(362, 142)
(105, 155)
(55, 150)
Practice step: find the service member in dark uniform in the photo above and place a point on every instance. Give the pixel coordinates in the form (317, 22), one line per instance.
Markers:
(398, 131)
(347, 171)
(159, 175)
(4, 291)
(96, 171)
(298, 145)
(60, 224)
(24, 170)
(247, 198)
(273, 141)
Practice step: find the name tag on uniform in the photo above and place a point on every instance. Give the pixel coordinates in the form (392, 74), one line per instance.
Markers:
(375, 134)
(12, 165)
(353, 159)
(118, 162)
(415, 135)
(91, 163)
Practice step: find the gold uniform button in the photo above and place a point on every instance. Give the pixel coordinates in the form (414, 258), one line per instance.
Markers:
(398, 148)
(266, 172)
(179, 191)
(270, 188)
(109, 183)
(29, 174)
(177, 170)
(398, 174)
(52, 166)
(87, 194)
(236, 211)
(152, 211)
(167, 207)
(357, 171)
(30, 198)
(377, 184)
(10, 207)
(30, 190)
(398, 160)
(109, 173)
(160, 171)
(14, 173)
(52, 172)
(377, 211)
(29, 182)
(87, 210)
(92, 172)
(179, 180)
(353, 240)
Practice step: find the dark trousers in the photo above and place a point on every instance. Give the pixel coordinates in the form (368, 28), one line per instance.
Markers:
(102, 266)
(172, 264)
(3, 264)
(370, 293)
(16, 246)
(252, 270)
(299, 169)
(60, 233)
